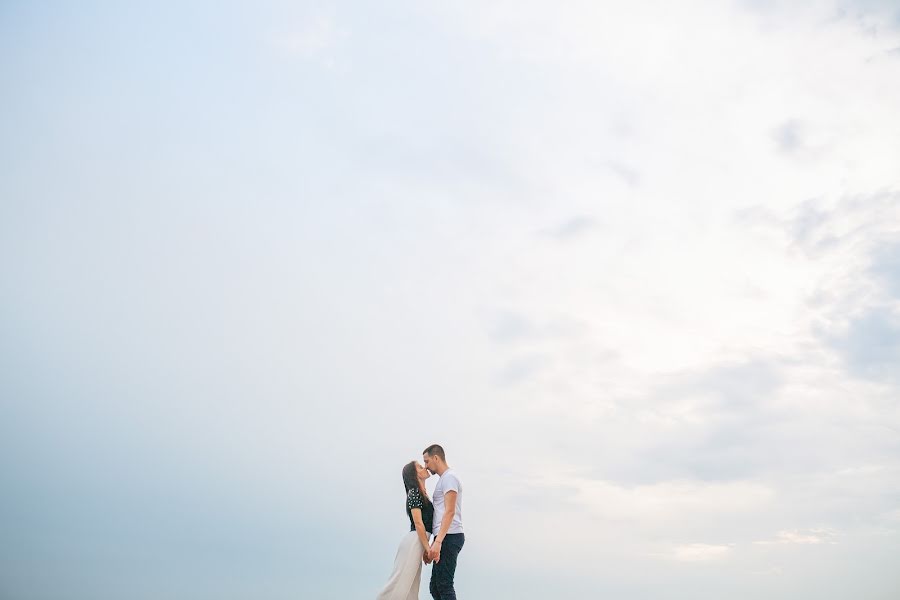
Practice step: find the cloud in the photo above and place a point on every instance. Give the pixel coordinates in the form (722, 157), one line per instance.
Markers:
(521, 369)
(508, 326)
(789, 136)
(663, 503)
(574, 227)
(796, 536)
(871, 345)
(714, 425)
(886, 266)
(885, 10)
(318, 39)
(700, 552)
(628, 174)
(857, 298)
(861, 220)
(808, 225)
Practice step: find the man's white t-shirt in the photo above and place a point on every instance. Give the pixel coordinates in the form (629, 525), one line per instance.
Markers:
(448, 482)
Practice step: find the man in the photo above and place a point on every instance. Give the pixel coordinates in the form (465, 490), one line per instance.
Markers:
(448, 529)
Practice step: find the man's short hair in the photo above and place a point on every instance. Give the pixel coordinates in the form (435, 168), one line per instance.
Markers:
(435, 450)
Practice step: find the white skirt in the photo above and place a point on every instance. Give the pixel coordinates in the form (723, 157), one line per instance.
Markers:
(404, 581)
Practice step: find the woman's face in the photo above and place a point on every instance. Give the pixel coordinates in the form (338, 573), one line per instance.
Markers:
(421, 472)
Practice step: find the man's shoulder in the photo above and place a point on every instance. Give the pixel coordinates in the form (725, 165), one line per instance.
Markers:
(450, 480)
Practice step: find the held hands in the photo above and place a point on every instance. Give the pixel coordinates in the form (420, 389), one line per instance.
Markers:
(435, 551)
(426, 557)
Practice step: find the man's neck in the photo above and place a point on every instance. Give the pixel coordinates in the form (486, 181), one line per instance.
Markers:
(443, 470)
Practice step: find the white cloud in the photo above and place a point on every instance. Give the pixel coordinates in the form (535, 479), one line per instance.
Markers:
(670, 501)
(318, 39)
(796, 536)
(700, 552)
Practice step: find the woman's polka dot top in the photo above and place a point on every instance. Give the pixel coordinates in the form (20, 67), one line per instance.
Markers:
(414, 500)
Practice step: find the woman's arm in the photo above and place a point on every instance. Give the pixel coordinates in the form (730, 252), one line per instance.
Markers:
(420, 528)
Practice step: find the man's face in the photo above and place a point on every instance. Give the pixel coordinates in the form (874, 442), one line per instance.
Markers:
(429, 463)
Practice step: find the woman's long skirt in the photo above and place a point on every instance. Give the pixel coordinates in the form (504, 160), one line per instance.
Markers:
(404, 581)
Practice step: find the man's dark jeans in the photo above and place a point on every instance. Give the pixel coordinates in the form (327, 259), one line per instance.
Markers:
(442, 572)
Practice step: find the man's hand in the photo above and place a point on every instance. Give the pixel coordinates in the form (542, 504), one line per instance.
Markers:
(426, 557)
(436, 551)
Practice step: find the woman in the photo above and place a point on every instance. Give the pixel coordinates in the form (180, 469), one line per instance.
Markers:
(404, 581)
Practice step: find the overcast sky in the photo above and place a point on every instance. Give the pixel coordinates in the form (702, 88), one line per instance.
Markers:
(635, 265)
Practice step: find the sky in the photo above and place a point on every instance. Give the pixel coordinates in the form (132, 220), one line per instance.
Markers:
(636, 266)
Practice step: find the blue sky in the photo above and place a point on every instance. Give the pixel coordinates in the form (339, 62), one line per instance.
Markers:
(635, 267)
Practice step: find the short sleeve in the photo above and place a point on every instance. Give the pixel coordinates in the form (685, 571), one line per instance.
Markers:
(414, 499)
(449, 483)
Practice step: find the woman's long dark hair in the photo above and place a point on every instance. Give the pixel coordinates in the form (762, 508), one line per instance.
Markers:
(410, 481)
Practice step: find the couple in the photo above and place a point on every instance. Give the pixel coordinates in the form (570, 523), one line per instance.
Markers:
(442, 517)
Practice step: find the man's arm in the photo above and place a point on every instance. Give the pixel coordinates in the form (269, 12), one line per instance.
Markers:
(450, 504)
